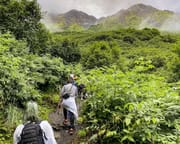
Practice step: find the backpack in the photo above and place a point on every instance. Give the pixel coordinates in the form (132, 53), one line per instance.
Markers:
(32, 134)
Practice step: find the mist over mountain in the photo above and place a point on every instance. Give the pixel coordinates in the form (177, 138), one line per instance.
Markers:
(78, 17)
(137, 16)
(60, 22)
(103, 8)
(140, 16)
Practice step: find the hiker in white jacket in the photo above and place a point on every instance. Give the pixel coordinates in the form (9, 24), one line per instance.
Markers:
(69, 104)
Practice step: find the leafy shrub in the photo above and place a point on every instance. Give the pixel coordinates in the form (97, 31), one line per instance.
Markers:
(46, 72)
(168, 39)
(100, 54)
(129, 39)
(147, 34)
(23, 75)
(67, 49)
(15, 87)
(174, 64)
(130, 108)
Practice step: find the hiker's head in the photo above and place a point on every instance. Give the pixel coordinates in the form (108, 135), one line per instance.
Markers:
(71, 78)
(31, 111)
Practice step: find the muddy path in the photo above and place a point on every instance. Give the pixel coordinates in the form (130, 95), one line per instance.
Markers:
(61, 133)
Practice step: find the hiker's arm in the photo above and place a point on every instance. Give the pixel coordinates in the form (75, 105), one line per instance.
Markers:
(49, 134)
(17, 134)
(60, 101)
(60, 97)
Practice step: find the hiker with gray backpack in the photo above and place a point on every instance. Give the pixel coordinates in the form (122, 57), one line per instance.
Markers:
(33, 131)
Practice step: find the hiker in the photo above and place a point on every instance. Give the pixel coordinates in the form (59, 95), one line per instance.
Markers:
(33, 130)
(67, 100)
(73, 79)
(82, 91)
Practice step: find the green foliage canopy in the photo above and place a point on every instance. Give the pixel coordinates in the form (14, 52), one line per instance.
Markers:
(100, 54)
(22, 18)
(15, 87)
(130, 107)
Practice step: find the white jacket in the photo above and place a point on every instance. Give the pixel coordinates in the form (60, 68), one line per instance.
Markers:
(70, 103)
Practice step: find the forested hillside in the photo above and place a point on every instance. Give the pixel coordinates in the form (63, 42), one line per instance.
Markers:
(132, 77)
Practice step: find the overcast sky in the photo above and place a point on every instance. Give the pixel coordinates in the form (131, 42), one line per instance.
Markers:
(99, 8)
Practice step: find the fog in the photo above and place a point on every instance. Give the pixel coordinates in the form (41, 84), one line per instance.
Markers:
(100, 8)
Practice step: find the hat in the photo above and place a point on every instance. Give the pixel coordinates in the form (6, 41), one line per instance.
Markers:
(71, 76)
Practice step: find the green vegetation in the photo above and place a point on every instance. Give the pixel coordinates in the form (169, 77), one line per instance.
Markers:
(100, 54)
(131, 107)
(132, 77)
(22, 19)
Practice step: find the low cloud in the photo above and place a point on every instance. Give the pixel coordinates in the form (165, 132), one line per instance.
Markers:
(50, 25)
(99, 8)
(172, 24)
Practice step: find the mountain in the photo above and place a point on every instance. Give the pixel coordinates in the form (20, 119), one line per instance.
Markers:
(77, 17)
(71, 18)
(137, 16)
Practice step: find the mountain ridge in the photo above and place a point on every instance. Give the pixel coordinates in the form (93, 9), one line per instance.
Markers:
(136, 16)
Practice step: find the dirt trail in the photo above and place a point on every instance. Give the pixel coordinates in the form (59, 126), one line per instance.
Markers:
(61, 133)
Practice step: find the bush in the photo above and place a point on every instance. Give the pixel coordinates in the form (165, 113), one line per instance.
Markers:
(100, 54)
(130, 108)
(15, 87)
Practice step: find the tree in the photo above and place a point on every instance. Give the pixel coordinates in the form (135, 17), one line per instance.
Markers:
(22, 18)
